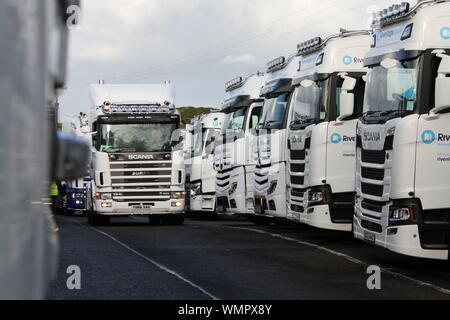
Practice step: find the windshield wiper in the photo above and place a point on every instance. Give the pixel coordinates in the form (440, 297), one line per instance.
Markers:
(369, 113)
(389, 112)
(302, 120)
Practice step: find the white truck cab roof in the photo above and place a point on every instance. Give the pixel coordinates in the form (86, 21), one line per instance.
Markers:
(339, 52)
(280, 73)
(243, 91)
(131, 94)
(403, 29)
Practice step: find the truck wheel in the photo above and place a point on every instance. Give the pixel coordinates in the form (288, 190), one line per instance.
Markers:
(98, 220)
(154, 220)
(177, 220)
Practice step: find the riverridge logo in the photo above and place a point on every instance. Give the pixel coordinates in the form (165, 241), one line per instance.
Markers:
(347, 60)
(336, 138)
(445, 33)
(428, 137)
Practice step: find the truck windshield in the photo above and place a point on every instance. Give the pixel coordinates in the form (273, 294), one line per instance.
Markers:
(199, 142)
(391, 89)
(273, 112)
(237, 120)
(142, 137)
(308, 104)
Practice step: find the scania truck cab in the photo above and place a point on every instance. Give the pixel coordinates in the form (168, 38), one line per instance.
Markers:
(269, 151)
(325, 106)
(234, 161)
(202, 184)
(138, 161)
(403, 146)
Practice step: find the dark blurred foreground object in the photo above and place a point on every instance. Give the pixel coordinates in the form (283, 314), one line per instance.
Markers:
(33, 38)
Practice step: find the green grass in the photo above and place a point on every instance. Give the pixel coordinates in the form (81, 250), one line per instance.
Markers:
(188, 113)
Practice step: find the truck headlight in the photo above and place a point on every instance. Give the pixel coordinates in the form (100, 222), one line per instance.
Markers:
(273, 187)
(401, 214)
(233, 188)
(178, 195)
(105, 205)
(316, 196)
(319, 196)
(103, 196)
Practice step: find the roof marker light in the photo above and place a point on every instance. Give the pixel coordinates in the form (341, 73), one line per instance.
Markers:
(271, 65)
(390, 15)
(309, 46)
(233, 83)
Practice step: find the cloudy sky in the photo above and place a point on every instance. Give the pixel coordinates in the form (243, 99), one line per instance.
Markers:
(197, 44)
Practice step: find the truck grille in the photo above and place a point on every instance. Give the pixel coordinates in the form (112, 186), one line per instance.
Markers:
(373, 174)
(373, 156)
(298, 154)
(372, 189)
(297, 180)
(141, 181)
(298, 168)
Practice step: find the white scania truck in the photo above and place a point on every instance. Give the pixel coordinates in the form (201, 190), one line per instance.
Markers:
(138, 161)
(270, 151)
(325, 106)
(234, 161)
(403, 137)
(202, 184)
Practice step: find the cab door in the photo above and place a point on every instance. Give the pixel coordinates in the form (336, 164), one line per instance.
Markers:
(341, 155)
(433, 161)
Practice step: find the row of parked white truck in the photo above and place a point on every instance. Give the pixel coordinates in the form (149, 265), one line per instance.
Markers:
(350, 133)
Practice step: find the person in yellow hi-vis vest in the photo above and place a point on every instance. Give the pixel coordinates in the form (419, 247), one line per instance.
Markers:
(54, 193)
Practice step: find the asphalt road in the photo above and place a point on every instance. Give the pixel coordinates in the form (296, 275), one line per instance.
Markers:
(234, 260)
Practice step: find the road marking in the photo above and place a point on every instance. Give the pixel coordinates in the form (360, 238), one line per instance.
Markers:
(156, 264)
(347, 257)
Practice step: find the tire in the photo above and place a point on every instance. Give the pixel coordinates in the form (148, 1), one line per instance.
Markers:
(154, 220)
(261, 221)
(176, 220)
(98, 220)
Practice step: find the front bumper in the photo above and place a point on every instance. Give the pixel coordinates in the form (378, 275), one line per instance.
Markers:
(76, 204)
(320, 217)
(123, 208)
(404, 239)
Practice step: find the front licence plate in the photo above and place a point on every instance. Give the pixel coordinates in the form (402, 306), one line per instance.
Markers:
(370, 237)
(142, 207)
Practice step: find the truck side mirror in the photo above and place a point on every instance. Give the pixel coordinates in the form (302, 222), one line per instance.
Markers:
(72, 157)
(442, 91)
(347, 99)
(307, 83)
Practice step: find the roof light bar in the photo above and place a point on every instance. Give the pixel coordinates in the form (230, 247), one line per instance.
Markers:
(233, 83)
(390, 15)
(309, 46)
(275, 63)
(142, 109)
